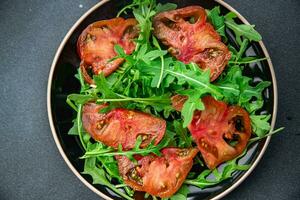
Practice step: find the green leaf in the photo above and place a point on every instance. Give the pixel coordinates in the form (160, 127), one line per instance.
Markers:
(83, 136)
(242, 50)
(271, 133)
(96, 173)
(119, 50)
(191, 104)
(217, 20)
(248, 92)
(109, 163)
(181, 194)
(260, 124)
(74, 129)
(230, 16)
(99, 176)
(79, 76)
(185, 139)
(196, 79)
(81, 98)
(142, 51)
(103, 86)
(237, 89)
(152, 55)
(244, 30)
(150, 149)
(165, 7)
(208, 178)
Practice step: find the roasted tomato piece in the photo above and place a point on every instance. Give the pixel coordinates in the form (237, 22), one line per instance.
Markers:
(220, 131)
(95, 45)
(191, 39)
(159, 176)
(121, 126)
(178, 101)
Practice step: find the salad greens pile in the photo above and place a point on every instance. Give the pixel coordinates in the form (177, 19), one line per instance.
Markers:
(147, 80)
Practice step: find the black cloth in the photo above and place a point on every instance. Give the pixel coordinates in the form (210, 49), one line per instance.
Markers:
(31, 166)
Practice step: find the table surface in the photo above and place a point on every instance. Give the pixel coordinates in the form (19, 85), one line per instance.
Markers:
(31, 166)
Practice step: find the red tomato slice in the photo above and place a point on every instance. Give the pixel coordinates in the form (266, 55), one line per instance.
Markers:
(96, 43)
(159, 176)
(191, 39)
(221, 132)
(121, 126)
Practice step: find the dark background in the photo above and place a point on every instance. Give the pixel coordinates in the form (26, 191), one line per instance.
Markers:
(30, 164)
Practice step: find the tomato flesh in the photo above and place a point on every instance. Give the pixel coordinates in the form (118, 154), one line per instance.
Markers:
(121, 126)
(95, 45)
(221, 132)
(158, 176)
(191, 39)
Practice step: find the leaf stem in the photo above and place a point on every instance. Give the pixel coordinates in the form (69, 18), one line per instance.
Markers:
(110, 152)
(247, 62)
(120, 185)
(199, 183)
(267, 135)
(140, 100)
(71, 104)
(79, 126)
(194, 81)
(230, 88)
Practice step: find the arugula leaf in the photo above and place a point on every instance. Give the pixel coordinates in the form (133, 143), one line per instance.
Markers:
(217, 20)
(260, 124)
(248, 92)
(244, 30)
(152, 55)
(209, 178)
(191, 104)
(165, 7)
(252, 140)
(119, 50)
(236, 89)
(198, 79)
(161, 74)
(99, 176)
(151, 148)
(71, 104)
(243, 48)
(83, 136)
(81, 98)
(181, 194)
(185, 139)
(79, 76)
(103, 87)
(74, 129)
(230, 16)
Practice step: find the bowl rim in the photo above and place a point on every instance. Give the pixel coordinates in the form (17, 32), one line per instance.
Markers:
(89, 185)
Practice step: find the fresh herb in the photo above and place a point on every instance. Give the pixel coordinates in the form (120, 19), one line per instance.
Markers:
(99, 176)
(136, 150)
(181, 194)
(260, 124)
(217, 20)
(184, 138)
(241, 30)
(254, 139)
(209, 178)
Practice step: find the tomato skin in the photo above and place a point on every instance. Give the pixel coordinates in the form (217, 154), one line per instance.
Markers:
(121, 126)
(196, 42)
(158, 176)
(211, 128)
(178, 101)
(95, 45)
